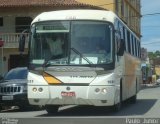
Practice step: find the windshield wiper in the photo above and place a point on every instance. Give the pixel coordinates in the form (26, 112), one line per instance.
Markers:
(81, 55)
(46, 63)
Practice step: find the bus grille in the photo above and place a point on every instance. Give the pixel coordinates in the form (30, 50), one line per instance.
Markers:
(10, 89)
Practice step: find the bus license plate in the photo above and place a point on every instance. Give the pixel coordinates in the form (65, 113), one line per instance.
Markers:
(68, 94)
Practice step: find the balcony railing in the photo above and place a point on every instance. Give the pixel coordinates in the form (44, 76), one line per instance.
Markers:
(11, 40)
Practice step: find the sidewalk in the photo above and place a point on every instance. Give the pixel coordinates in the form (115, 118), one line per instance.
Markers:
(152, 85)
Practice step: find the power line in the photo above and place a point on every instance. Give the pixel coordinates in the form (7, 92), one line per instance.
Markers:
(150, 26)
(144, 15)
(151, 14)
(151, 43)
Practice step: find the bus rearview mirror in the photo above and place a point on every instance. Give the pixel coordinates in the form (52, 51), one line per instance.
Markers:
(22, 42)
(121, 49)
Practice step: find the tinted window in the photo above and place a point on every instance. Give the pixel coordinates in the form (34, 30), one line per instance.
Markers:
(1, 21)
(16, 74)
(22, 23)
(129, 44)
(132, 45)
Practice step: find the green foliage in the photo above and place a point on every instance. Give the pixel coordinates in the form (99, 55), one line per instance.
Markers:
(153, 55)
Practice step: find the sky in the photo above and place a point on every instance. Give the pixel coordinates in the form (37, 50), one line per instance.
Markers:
(150, 25)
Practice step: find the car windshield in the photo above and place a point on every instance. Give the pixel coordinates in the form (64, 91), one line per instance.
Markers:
(71, 43)
(18, 73)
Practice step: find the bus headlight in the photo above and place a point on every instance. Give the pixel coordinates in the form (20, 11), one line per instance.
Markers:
(97, 90)
(104, 90)
(40, 89)
(34, 89)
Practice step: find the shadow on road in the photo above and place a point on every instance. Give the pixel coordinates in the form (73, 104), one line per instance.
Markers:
(14, 110)
(139, 109)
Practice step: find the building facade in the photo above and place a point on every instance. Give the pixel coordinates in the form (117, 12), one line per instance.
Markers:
(128, 10)
(16, 16)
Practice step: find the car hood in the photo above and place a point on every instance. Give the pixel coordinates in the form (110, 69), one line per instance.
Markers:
(14, 81)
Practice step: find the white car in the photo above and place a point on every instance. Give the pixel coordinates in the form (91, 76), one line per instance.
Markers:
(158, 81)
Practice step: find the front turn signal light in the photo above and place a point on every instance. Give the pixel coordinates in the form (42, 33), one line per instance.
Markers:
(50, 79)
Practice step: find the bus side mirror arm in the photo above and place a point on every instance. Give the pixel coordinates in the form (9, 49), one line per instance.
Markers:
(22, 42)
(121, 49)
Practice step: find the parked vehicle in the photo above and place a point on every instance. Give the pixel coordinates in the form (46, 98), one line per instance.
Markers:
(158, 81)
(1, 77)
(13, 88)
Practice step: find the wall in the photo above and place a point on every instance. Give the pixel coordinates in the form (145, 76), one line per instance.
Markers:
(127, 10)
(106, 4)
(9, 15)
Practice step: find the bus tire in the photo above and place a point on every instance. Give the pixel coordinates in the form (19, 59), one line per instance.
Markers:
(117, 107)
(51, 109)
(133, 99)
(1, 108)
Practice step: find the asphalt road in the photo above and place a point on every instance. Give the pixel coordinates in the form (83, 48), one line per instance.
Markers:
(146, 109)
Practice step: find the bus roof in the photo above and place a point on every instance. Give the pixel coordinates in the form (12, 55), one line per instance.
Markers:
(79, 14)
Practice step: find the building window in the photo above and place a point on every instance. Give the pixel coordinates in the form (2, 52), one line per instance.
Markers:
(126, 14)
(1, 21)
(116, 6)
(22, 23)
(122, 8)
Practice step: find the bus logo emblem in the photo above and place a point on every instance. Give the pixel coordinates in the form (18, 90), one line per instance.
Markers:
(68, 88)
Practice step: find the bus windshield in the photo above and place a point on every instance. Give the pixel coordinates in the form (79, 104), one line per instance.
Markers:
(71, 43)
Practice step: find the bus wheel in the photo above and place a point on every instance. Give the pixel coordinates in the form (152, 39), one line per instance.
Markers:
(1, 108)
(51, 109)
(133, 99)
(117, 106)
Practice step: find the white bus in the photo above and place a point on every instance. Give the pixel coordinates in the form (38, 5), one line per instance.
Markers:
(97, 62)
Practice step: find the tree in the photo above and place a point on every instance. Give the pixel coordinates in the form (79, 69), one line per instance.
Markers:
(157, 53)
(151, 55)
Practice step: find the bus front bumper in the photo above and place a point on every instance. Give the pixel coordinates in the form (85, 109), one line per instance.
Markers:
(72, 95)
